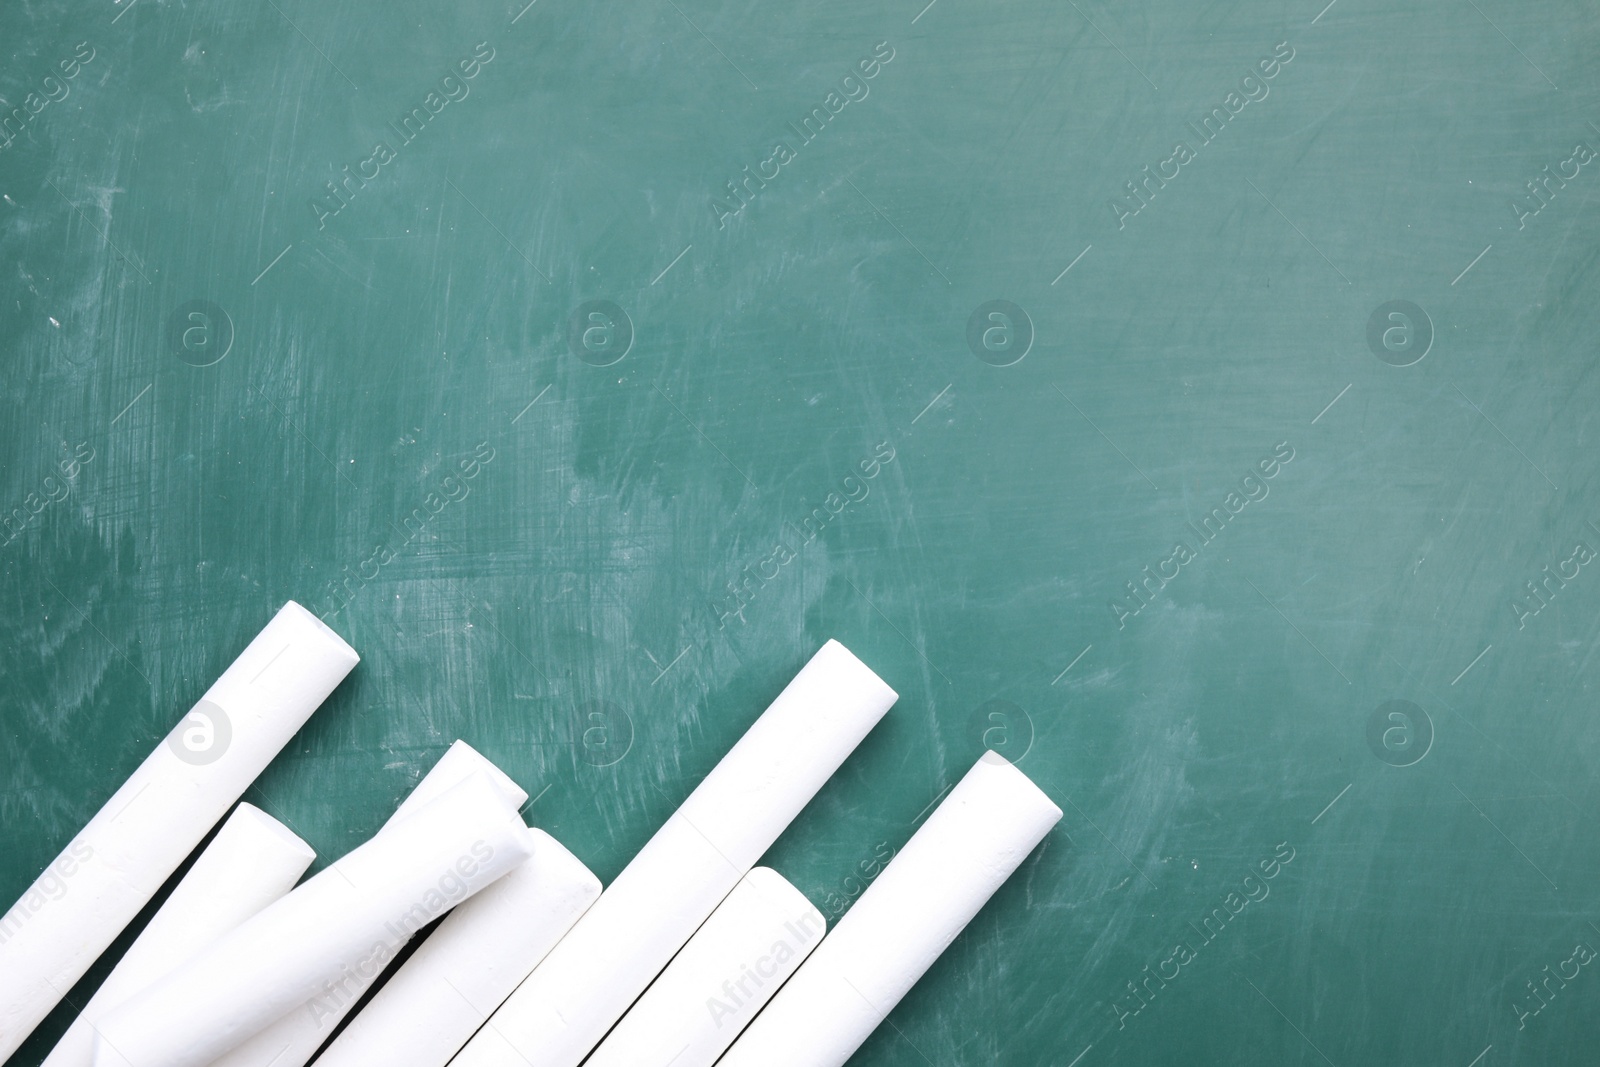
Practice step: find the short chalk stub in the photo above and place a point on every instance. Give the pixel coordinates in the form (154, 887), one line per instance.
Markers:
(130, 848)
(711, 990)
(295, 1038)
(672, 886)
(925, 897)
(351, 918)
(253, 860)
(467, 967)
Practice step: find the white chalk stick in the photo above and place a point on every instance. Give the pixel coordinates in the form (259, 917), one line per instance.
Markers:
(711, 990)
(561, 1012)
(969, 846)
(467, 967)
(294, 1039)
(145, 831)
(353, 916)
(253, 860)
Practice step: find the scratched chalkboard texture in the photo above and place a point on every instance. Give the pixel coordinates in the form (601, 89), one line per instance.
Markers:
(1195, 403)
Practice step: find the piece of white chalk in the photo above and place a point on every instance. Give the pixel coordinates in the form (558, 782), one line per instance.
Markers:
(711, 990)
(294, 1039)
(354, 915)
(969, 846)
(253, 860)
(561, 1012)
(467, 967)
(145, 831)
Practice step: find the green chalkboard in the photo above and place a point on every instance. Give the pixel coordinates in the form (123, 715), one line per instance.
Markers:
(1195, 403)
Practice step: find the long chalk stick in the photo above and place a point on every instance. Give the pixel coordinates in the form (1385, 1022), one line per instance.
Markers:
(253, 860)
(969, 846)
(295, 1038)
(711, 990)
(355, 915)
(566, 1006)
(467, 967)
(131, 847)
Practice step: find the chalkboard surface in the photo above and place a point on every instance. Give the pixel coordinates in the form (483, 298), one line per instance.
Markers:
(1194, 403)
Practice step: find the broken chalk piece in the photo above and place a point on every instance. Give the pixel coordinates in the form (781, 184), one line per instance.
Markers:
(969, 846)
(355, 915)
(467, 967)
(253, 860)
(584, 986)
(711, 990)
(148, 828)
